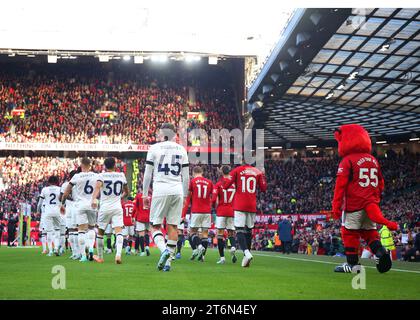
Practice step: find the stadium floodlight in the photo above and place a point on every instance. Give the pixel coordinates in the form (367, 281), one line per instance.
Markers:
(414, 139)
(381, 142)
(277, 147)
(284, 66)
(353, 75)
(126, 58)
(161, 58)
(138, 59)
(103, 58)
(275, 77)
(191, 58)
(262, 148)
(213, 60)
(311, 146)
(52, 59)
(267, 88)
(329, 96)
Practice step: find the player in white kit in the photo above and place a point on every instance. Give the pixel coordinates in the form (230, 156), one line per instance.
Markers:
(52, 218)
(42, 229)
(70, 218)
(111, 186)
(83, 184)
(167, 161)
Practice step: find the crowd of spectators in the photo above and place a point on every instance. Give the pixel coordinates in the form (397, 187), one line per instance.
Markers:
(62, 106)
(22, 178)
(306, 186)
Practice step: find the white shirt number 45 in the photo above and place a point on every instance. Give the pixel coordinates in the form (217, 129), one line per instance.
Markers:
(368, 176)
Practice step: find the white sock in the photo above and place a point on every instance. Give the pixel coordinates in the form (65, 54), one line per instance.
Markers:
(44, 242)
(75, 243)
(248, 253)
(62, 241)
(100, 246)
(57, 240)
(50, 236)
(119, 244)
(71, 241)
(159, 240)
(91, 239)
(82, 243)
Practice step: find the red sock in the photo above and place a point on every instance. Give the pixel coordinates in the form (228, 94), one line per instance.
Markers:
(375, 214)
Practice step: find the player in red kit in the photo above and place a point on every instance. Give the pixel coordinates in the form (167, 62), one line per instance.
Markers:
(223, 199)
(199, 194)
(357, 195)
(128, 217)
(143, 226)
(246, 178)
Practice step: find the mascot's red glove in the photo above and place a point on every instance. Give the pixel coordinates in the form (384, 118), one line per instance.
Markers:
(375, 214)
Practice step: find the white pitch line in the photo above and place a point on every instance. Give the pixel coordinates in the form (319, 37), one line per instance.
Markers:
(327, 262)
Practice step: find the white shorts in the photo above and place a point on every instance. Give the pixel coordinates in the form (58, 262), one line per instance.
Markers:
(86, 217)
(113, 217)
(225, 223)
(71, 218)
(52, 223)
(200, 220)
(143, 226)
(357, 220)
(128, 231)
(169, 207)
(244, 219)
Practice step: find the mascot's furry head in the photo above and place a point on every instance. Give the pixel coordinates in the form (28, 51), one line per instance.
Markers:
(352, 138)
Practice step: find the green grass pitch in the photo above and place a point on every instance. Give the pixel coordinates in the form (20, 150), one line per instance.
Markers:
(27, 274)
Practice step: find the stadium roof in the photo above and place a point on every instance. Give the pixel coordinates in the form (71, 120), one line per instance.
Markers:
(367, 71)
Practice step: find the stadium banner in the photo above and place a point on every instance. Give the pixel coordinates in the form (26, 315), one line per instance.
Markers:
(58, 146)
(275, 218)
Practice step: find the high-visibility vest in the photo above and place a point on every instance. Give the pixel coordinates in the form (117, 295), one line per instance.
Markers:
(386, 238)
(270, 244)
(277, 241)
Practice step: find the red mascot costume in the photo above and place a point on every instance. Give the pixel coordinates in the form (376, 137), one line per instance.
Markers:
(357, 195)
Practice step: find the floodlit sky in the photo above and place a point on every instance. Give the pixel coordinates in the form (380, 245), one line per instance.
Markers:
(215, 26)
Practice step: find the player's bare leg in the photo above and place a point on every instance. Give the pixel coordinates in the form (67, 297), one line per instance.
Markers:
(99, 246)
